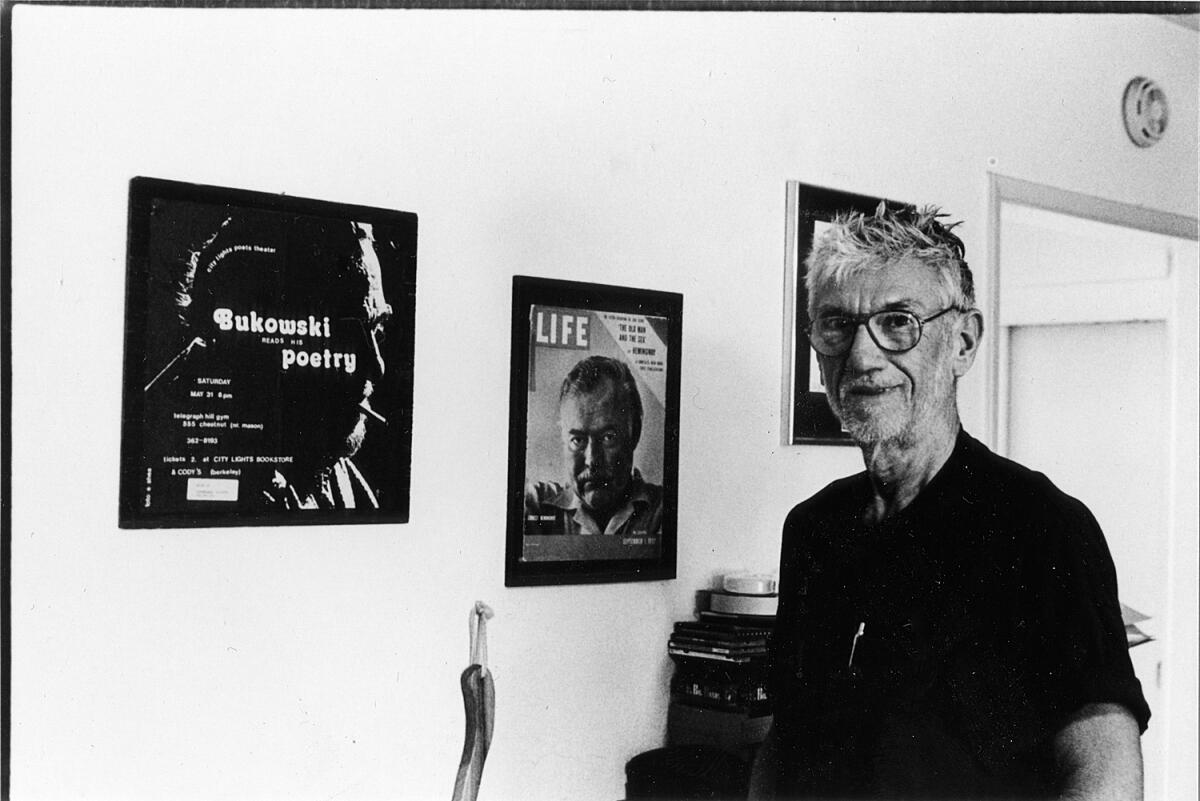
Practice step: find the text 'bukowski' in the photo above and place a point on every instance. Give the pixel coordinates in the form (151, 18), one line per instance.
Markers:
(310, 326)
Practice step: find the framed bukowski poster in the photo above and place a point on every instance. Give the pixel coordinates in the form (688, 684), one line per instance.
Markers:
(268, 359)
(594, 433)
(807, 416)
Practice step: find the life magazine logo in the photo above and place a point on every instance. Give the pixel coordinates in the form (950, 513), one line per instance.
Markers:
(561, 328)
(639, 339)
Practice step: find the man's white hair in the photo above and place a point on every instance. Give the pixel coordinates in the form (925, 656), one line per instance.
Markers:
(857, 242)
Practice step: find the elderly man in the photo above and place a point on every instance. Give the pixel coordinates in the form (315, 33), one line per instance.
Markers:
(600, 418)
(948, 621)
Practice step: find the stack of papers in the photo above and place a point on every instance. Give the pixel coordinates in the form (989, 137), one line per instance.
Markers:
(1134, 634)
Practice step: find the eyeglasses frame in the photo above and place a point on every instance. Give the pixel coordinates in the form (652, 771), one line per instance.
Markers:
(864, 319)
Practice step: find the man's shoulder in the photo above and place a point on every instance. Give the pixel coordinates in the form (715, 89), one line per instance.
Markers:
(836, 496)
(646, 490)
(996, 480)
(1008, 514)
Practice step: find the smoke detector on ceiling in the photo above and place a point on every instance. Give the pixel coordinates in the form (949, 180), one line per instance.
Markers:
(1146, 111)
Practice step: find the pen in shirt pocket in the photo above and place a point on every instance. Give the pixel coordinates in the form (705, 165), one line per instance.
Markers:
(862, 627)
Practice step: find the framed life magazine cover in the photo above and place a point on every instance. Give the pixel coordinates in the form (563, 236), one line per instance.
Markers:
(807, 416)
(268, 359)
(594, 433)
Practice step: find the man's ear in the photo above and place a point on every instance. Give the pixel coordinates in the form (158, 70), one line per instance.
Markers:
(967, 335)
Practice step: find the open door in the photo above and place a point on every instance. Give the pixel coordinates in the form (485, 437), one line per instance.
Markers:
(1095, 376)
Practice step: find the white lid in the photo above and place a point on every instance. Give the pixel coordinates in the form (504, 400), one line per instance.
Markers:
(750, 583)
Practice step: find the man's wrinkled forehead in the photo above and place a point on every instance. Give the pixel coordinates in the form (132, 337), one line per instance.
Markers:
(894, 283)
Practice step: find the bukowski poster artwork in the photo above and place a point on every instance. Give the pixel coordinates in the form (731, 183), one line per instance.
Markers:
(268, 359)
(595, 499)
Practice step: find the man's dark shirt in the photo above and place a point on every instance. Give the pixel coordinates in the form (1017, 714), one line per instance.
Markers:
(989, 613)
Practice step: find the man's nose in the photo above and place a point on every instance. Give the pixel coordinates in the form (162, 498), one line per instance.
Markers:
(864, 354)
(593, 454)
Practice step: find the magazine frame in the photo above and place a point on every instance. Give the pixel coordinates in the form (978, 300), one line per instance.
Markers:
(531, 291)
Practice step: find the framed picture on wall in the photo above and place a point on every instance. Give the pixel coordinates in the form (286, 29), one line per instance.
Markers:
(594, 433)
(268, 359)
(807, 416)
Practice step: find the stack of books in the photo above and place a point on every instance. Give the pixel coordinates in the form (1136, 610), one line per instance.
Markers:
(720, 662)
(721, 657)
(720, 638)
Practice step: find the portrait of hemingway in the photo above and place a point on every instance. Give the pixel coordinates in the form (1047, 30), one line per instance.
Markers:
(601, 491)
(594, 451)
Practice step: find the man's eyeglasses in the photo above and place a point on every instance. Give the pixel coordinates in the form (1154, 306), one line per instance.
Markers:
(893, 330)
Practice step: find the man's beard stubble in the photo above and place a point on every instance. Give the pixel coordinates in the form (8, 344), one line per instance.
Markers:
(901, 421)
(329, 435)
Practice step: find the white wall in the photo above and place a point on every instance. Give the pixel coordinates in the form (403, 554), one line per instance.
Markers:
(639, 149)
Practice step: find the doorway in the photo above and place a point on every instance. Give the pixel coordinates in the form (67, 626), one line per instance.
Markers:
(1093, 378)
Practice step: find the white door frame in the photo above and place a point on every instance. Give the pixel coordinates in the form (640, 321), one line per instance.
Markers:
(1181, 652)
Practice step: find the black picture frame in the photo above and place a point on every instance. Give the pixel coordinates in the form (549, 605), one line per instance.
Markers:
(253, 325)
(808, 419)
(642, 329)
